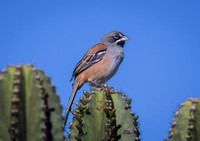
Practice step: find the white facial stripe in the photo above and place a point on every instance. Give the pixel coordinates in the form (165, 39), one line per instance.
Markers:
(119, 40)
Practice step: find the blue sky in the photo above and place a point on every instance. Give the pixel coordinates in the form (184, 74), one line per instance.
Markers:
(161, 68)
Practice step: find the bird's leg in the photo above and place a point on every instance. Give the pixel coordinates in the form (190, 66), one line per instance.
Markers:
(97, 85)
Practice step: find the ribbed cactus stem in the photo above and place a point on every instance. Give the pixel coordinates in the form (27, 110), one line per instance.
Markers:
(104, 115)
(186, 123)
(30, 106)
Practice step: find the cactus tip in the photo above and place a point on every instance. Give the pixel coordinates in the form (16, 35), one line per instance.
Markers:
(127, 106)
(72, 110)
(173, 124)
(195, 100)
(13, 123)
(4, 70)
(37, 77)
(176, 114)
(192, 108)
(16, 82)
(191, 127)
(44, 118)
(188, 137)
(191, 99)
(137, 139)
(129, 101)
(14, 112)
(132, 113)
(105, 85)
(17, 73)
(77, 104)
(44, 107)
(34, 69)
(171, 133)
(29, 65)
(44, 128)
(15, 100)
(191, 118)
(91, 88)
(15, 90)
(136, 118)
(181, 105)
(85, 92)
(19, 66)
(40, 87)
(11, 65)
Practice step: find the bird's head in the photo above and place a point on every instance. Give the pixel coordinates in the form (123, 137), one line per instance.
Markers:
(114, 38)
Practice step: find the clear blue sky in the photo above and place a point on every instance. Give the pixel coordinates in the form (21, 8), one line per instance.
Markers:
(161, 68)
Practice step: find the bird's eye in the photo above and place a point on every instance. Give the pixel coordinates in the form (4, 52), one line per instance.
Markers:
(116, 36)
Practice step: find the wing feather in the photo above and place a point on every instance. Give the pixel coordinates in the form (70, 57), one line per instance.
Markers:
(92, 56)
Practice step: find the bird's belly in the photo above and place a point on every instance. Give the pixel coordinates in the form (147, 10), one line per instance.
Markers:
(114, 65)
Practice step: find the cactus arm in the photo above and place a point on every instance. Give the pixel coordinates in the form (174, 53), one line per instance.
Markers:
(94, 123)
(97, 118)
(197, 116)
(125, 118)
(6, 86)
(103, 115)
(186, 123)
(34, 104)
(30, 108)
(194, 126)
(180, 123)
(54, 107)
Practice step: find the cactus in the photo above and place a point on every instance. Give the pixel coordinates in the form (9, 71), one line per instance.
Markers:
(29, 106)
(30, 110)
(186, 123)
(104, 115)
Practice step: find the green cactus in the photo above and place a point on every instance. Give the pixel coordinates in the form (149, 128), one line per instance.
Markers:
(104, 116)
(186, 123)
(29, 106)
(30, 110)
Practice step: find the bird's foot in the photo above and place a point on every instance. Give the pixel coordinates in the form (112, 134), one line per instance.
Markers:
(98, 86)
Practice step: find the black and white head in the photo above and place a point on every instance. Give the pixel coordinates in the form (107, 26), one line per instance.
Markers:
(114, 38)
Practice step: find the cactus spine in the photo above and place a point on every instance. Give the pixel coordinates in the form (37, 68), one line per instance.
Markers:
(30, 108)
(104, 115)
(186, 123)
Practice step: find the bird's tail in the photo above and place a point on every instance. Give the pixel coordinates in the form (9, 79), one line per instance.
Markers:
(74, 90)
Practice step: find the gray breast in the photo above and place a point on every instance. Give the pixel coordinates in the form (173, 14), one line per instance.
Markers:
(116, 56)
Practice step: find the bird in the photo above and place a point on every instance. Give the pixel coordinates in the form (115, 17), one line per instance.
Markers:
(98, 65)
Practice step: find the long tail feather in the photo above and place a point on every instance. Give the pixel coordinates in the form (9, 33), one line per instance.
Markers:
(74, 90)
